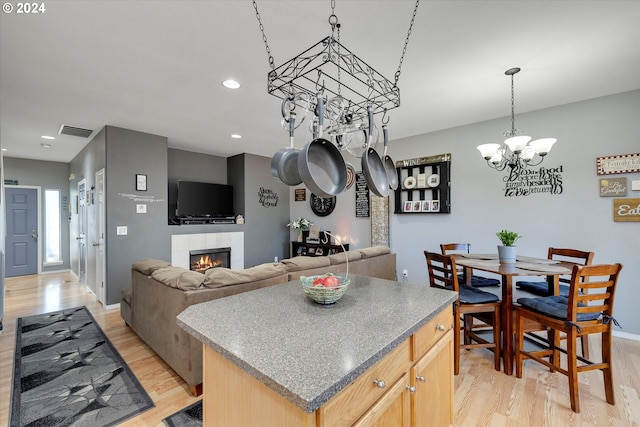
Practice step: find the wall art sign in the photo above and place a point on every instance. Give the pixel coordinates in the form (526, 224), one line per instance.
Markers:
(267, 198)
(612, 187)
(624, 163)
(626, 210)
(300, 194)
(362, 196)
(528, 181)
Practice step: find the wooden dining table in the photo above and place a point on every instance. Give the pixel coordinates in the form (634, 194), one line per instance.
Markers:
(524, 266)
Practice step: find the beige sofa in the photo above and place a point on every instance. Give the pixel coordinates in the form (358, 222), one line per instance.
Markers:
(159, 292)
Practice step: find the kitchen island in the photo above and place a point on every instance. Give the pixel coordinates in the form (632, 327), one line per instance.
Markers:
(274, 357)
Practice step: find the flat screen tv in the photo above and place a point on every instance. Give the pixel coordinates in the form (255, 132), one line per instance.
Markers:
(203, 199)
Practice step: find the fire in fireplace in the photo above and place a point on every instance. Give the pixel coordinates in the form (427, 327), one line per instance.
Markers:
(204, 259)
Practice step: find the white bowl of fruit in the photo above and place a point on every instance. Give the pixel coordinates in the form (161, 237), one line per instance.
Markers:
(325, 288)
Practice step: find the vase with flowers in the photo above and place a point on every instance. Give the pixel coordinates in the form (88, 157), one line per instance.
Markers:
(300, 225)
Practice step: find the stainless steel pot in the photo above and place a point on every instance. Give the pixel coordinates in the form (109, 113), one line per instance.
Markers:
(373, 168)
(389, 166)
(284, 164)
(320, 163)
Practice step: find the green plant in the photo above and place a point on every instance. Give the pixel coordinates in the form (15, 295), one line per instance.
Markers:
(508, 238)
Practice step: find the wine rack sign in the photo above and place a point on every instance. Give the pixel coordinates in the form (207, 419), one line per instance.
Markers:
(425, 185)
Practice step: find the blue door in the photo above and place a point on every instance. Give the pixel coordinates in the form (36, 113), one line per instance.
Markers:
(22, 232)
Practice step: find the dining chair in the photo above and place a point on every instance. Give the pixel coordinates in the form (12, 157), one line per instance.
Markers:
(541, 288)
(457, 248)
(442, 269)
(578, 314)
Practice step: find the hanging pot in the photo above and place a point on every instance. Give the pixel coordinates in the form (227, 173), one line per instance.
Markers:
(284, 164)
(321, 165)
(389, 167)
(373, 168)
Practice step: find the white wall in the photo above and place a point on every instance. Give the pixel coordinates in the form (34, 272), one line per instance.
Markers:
(577, 218)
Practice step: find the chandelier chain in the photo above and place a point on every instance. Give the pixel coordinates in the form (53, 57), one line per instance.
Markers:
(264, 37)
(406, 42)
(513, 110)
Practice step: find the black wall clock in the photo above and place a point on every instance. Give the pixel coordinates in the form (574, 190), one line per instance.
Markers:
(322, 206)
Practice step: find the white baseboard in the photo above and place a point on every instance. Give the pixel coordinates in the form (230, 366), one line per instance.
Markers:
(112, 306)
(626, 335)
(56, 271)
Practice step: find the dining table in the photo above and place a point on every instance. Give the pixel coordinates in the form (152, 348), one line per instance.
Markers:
(524, 266)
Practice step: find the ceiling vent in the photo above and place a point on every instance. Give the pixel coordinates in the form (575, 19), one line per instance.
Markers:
(75, 131)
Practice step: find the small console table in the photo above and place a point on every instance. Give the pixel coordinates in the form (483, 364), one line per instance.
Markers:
(316, 249)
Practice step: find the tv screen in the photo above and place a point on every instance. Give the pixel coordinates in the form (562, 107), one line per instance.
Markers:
(203, 199)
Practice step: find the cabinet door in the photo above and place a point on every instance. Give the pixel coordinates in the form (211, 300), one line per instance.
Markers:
(432, 376)
(392, 409)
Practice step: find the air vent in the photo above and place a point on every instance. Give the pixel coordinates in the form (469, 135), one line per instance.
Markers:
(75, 131)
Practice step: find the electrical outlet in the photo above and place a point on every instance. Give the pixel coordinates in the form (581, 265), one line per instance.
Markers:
(405, 273)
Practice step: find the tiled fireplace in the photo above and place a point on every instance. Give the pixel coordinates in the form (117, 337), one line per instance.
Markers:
(183, 244)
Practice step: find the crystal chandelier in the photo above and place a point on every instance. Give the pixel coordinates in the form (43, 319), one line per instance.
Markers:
(518, 151)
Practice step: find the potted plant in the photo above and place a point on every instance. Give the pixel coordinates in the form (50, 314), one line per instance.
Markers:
(507, 251)
(300, 225)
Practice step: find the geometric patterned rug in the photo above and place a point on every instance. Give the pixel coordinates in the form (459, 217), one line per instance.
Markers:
(67, 373)
(191, 416)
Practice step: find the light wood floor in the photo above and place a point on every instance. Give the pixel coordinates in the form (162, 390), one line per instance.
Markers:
(483, 396)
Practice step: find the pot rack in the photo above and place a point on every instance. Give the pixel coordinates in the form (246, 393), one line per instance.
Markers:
(330, 68)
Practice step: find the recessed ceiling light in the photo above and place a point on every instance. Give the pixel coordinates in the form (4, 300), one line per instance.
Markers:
(4, 149)
(231, 84)
(47, 137)
(45, 145)
(236, 136)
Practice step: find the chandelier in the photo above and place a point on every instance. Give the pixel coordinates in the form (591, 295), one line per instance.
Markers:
(350, 87)
(517, 151)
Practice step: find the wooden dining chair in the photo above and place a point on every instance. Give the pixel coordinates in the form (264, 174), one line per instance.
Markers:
(578, 314)
(457, 248)
(442, 269)
(541, 288)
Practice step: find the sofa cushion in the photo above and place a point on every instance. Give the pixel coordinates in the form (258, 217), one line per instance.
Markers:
(340, 257)
(178, 277)
(305, 262)
(374, 251)
(149, 265)
(219, 277)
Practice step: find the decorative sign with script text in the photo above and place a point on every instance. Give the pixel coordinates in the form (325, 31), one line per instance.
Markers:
(625, 163)
(267, 198)
(613, 187)
(626, 210)
(525, 182)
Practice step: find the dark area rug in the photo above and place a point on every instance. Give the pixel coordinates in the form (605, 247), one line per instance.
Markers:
(191, 416)
(67, 373)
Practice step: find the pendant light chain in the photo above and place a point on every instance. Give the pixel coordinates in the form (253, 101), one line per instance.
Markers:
(513, 110)
(264, 37)
(406, 42)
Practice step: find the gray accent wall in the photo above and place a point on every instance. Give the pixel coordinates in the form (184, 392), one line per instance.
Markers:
(47, 176)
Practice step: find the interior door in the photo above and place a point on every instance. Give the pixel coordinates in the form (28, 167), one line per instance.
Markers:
(99, 237)
(21, 243)
(82, 232)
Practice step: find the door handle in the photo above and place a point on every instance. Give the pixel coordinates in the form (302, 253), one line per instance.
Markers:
(34, 235)
(95, 244)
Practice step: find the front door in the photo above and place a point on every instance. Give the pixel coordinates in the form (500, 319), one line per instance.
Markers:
(22, 231)
(82, 232)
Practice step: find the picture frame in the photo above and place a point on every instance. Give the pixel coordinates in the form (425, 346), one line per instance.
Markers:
(319, 251)
(426, 206)
(435, 206)
(312, 251)
(141, 182)
(417, 205)
(408, 206)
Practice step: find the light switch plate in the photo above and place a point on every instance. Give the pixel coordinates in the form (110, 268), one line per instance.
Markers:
(121, 230)
(635, 185)
(141, 209)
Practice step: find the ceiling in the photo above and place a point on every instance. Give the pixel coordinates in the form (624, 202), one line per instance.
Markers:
(157, 66)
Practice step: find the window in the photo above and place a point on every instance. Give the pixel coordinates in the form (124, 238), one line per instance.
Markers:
(52, 226)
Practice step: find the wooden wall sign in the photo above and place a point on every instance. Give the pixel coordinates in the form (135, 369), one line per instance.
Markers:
(613, 187)
(300, 194)
(626, 210)
(625, 163)
(362, 196)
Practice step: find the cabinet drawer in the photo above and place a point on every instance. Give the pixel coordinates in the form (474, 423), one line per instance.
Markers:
(350, 403)
(430, 333)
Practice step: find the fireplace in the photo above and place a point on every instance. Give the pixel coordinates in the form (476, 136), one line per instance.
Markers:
(203, 259)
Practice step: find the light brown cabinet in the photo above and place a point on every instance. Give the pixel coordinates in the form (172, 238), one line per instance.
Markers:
(410, 386)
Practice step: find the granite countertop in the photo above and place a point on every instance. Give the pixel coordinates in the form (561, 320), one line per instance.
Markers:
(305, 351)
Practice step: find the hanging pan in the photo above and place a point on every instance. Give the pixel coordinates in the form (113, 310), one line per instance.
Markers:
(373, 168)
(320, 163)
(284, 164)
(389, 167)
